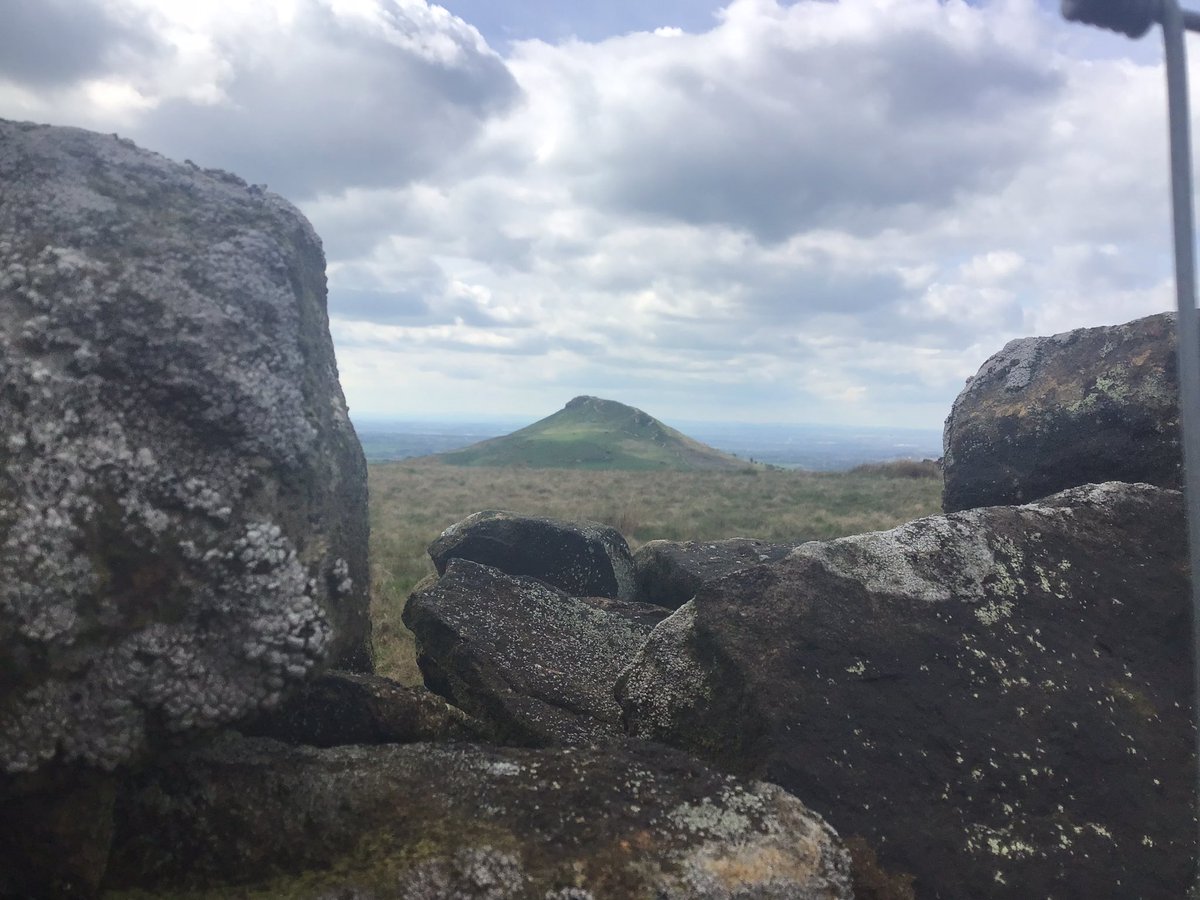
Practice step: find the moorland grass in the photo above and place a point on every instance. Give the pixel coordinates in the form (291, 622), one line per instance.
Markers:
(413, 501)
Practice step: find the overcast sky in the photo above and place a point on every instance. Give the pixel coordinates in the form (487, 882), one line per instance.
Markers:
(746, 211)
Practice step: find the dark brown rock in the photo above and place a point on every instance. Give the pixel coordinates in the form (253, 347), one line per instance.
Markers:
(433, 822)
(1049, 413)
(343, 708)
(55, 842)
(534, 663)
(584, 559)
(183, 513)
(669, 573)
(997, 702)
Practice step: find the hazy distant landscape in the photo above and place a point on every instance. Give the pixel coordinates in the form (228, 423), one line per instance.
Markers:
(819, 448)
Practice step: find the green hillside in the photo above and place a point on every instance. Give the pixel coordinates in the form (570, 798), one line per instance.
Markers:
(590, 433)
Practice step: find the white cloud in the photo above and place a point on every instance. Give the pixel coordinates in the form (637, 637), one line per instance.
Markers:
(807, 211)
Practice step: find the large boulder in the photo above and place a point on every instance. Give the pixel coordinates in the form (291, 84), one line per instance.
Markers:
(434, 822)
(584, 559)
(669, 573)
(1049, 413)
(183, 522)
(535, 663)
(997, 702)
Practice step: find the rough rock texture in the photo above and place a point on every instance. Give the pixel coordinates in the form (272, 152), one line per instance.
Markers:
(997, 701)
(536, 664)
(1048, 413)
(55, 844)
(582, 558)
(343, 708)
(433, 822)
(646, 615)
(670, 572)
(182, 496)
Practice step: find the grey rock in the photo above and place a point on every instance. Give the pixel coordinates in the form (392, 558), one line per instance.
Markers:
(442, 821)
(1048, 413)
(182, 497)
(534, 663)
(584, 559)
(669, 573)
(997, 701)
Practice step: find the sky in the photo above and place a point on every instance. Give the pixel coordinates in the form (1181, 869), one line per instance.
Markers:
(749, 211)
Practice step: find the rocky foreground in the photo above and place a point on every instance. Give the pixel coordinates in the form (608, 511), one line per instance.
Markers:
(992, 703)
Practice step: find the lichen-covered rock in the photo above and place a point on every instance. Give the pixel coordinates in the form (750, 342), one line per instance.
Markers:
(584, 559)
(1049, 413)
(441, 821)
(647, 615)
(182, 496)
(343, 708)
(670, 572)
(997, 701)
(534, 663)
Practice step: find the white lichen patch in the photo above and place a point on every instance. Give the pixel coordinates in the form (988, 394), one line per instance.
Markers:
(992, 611)
(935, 560)
(664, 678)
(710, 819)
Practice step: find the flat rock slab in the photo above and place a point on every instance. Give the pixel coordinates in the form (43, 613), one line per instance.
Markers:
(670, 572)
(584, 559)
(344, 708)
(435, 822)
(1049, 413)
(997, 701)
(183, 519)
(534, 663)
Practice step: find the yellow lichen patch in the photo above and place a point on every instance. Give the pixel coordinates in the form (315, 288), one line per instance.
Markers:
(1137, 701)
(751, 864)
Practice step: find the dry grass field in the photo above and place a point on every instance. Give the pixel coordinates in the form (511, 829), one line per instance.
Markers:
(413, 501)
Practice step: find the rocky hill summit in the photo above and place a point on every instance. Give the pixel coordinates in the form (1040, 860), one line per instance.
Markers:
(593, 433)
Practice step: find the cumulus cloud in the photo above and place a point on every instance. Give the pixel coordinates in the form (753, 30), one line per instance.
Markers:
(50, 43)
(757, 210)
(340, 96)
(309, 96)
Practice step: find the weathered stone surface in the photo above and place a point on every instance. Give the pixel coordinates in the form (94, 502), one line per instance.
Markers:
(583, 559)
(182, 497)
(670, 572)
(433, 822)
(343, 708)
(1049, 413)
(647, 615)
(997, 701)
(55, 843)
(535, 663)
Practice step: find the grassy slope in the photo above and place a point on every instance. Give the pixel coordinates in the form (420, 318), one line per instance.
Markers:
(590, 433)
(413, 501)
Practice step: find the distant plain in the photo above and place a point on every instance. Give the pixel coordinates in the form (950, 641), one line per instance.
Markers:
(822, 448)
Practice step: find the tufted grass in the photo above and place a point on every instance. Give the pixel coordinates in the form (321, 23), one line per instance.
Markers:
(413, 501)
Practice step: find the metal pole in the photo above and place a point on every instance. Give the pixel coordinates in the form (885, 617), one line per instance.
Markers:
(1188, 323)
(1134, 18)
